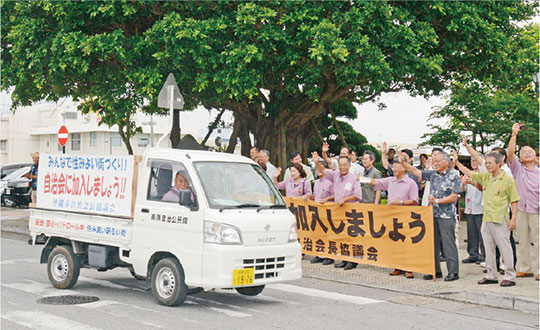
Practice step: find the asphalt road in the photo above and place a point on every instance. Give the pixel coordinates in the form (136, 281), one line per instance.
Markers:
(304, 304)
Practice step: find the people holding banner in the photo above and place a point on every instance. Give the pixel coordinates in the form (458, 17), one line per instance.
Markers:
(526, 173)
(402, 190)
(297, 185)
(346, 189)
(445, 185)
(499, 191)
(322, 191)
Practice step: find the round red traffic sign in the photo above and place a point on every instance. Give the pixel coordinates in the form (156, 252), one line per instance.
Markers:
(62, 135)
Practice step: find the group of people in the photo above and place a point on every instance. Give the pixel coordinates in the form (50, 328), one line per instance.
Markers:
(501, 195)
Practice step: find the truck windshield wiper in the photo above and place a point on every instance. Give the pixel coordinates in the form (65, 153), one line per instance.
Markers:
(275, 206)
(239, 206)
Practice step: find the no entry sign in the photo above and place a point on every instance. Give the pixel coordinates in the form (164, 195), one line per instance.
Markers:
(62, 135)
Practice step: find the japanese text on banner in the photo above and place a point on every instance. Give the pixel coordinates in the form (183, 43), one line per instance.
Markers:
(388, 236)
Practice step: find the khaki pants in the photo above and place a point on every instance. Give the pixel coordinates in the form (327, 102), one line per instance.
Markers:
(527, 230)
(498, 235)
(34, 196)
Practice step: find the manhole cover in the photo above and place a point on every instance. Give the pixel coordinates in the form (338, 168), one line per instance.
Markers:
(67, 300)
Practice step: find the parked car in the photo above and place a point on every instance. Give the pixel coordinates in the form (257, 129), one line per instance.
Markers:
(8, 169)
(16, 189)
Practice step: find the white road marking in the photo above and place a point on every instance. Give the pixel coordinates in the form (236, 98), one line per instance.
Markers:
(40, 289)
(98, 304)
(262, 297)
(44, 321)
(229, 312)
(323, 294)
(227, 305)
(16, 261)
(109, 284)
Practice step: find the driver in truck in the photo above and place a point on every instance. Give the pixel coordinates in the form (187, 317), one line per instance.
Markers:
(180, 183)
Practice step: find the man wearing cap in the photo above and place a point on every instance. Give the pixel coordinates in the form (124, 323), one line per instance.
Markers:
(33, 176)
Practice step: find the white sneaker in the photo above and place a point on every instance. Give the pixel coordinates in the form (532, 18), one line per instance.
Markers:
(501, 266)
(483, 264)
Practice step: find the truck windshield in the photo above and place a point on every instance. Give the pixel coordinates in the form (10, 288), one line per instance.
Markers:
(231, 185)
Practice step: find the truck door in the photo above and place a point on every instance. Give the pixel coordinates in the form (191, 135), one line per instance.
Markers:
(163, 225)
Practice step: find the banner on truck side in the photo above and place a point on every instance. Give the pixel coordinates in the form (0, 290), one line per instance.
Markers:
(85, 183)
(388, 236)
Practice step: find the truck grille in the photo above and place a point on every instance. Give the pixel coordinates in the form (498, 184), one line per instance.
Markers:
(265, 267)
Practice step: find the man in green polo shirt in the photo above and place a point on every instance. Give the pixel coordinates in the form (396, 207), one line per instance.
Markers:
(499, 190)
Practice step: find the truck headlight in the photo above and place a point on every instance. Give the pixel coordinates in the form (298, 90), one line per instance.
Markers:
(293, 234)
(220, 233)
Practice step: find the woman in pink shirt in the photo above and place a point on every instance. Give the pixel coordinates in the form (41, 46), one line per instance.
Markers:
(296, 185)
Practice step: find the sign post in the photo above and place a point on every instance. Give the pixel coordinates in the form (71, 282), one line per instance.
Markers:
(170, 98)
(63, 137)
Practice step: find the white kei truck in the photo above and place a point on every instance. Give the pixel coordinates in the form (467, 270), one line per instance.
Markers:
(226, 227)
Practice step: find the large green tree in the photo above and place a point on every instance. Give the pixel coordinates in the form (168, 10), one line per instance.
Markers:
(277, 65)
(488, 109)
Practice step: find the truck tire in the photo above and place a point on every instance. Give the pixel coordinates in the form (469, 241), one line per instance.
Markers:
(250, 290)
(63, 267)
(168, 282)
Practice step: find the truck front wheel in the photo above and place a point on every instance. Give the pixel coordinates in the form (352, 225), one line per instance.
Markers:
(63, 267)
(168, 285)
(251, 290)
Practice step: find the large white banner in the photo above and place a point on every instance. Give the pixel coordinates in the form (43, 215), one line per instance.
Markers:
(85, 183)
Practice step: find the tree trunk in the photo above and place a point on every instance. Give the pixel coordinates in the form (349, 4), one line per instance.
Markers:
(244, 140)
(234, 136)
(125, 137)
(340, 133)
(212, 127)
(175, 131)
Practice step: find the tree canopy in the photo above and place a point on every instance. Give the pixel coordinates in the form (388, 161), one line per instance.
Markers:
(277, 65)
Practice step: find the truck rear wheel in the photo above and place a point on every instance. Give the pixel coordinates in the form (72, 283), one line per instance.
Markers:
(63, 267)
(251, 290)
(168, 284)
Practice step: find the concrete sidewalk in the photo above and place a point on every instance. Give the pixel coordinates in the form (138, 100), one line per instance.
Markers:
(522, 297)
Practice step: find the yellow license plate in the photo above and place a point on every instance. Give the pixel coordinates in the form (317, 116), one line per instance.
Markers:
(242, 276)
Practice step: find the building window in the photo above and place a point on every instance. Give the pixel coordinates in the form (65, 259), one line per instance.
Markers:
(144, 140)
(93, 139)
(3, 145)
(75, 141)
(116, 140)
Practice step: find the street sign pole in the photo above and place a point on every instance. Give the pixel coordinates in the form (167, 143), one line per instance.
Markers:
(170, 98)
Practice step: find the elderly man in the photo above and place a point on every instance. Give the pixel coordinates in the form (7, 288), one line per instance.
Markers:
(402, 190)
(499, 191)
(296, 158)
(264, 161)
(525, 172)
(370, 195)
(445, 187)
(180, 183)
(346, 189)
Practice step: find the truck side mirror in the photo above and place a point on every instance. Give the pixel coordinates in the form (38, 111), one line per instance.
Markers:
(185, 198)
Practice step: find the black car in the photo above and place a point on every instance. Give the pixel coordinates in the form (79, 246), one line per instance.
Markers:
(8, 169)
(18, 190)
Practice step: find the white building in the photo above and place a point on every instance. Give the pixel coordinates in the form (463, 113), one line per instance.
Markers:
(35, 128)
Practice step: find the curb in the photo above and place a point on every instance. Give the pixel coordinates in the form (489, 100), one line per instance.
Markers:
(471, 296)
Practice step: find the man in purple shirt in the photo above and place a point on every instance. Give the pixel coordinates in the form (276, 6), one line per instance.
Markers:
(346, 189)
(525, 171)
(402, 190)
(322, 190)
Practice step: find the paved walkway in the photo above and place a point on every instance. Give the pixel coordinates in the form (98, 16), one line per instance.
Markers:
(522, 297)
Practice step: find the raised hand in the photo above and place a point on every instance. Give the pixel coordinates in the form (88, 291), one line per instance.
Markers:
(515, 129)
(325, 147)
(383, 148)
(277, 172)
(464, 140)
(315, 157)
